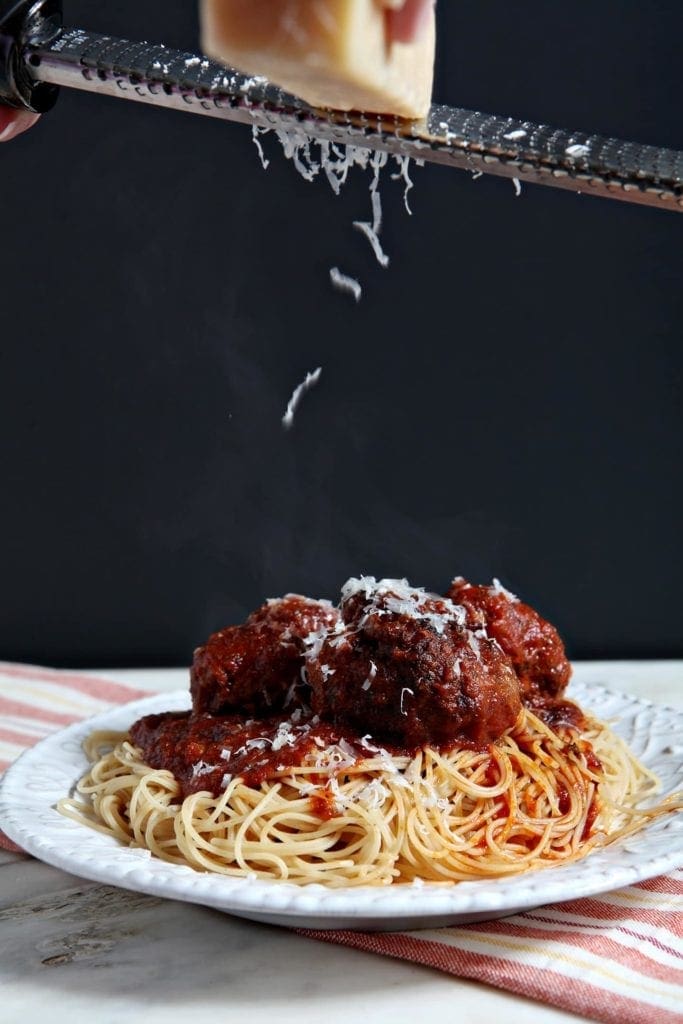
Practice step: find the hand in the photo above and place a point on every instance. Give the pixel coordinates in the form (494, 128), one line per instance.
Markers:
(406, 18)
(14, 122)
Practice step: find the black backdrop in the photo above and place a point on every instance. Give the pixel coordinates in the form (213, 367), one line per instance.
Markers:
(506, 399)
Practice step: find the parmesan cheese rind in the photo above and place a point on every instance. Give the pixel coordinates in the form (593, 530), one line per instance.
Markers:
(332, 53)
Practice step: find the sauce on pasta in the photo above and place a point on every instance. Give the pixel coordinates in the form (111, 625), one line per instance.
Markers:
(398, 737)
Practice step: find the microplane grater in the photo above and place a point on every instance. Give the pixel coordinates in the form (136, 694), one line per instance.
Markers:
(38, 56)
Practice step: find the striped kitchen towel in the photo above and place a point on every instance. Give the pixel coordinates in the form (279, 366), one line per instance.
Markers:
(615, 958)
(36, 701)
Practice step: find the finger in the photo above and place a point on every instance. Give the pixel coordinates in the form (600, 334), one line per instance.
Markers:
(14, 122)
(405, 22)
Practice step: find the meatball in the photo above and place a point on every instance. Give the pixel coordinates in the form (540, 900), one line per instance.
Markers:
(295, 615)
(532, 644)
(256, 668)
(402, 666)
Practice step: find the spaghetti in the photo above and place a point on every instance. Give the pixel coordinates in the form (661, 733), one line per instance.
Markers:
(536, 796)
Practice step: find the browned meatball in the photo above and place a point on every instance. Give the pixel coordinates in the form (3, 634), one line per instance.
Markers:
(402, 667)
(295, 615)
(532, 644)
(255, 668)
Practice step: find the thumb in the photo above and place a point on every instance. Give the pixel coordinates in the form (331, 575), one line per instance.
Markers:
(14, 122)
(406, 20)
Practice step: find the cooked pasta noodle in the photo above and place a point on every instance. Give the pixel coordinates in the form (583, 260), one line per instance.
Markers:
(533, 798)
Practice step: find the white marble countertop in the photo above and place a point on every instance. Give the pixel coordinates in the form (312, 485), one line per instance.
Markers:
(77, 951)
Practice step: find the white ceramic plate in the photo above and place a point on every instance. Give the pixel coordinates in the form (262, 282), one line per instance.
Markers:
(48, 771)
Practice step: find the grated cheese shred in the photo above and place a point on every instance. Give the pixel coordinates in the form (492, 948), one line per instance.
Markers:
(299, 392)
(344, 283)
(335, 161)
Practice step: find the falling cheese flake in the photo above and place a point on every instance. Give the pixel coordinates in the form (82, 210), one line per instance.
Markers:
(373, 239)
(518, 186)
(315, 157)
(306, 385)
(344, 283)
(371, 231)
(404, 173)
(333, 160)
(256, 130)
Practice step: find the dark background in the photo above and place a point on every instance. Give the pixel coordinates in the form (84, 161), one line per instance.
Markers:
(506, 399)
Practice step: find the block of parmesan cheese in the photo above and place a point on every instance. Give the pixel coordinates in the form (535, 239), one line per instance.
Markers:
(331, 53)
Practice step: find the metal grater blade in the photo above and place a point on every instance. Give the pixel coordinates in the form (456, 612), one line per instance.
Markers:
(476, 142)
